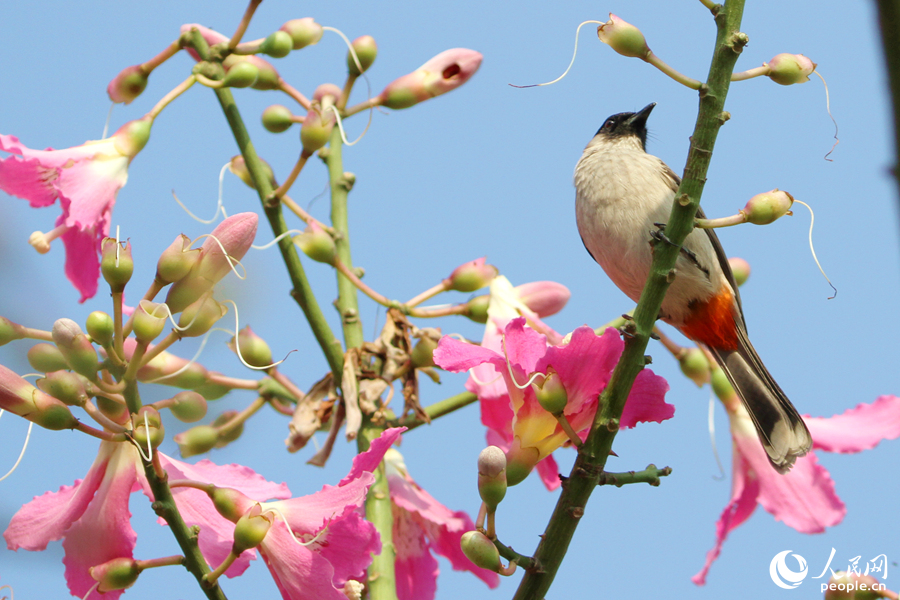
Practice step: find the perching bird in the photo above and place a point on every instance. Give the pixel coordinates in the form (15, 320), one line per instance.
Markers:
(621, 193)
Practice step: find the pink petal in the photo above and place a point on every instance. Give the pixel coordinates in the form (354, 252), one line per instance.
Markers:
(82, 260)
(456, 356)
(349, 544)
(299, 573)
(104, 530)
(497, 416)
(646, 402)
(368, 461)
(27, 179)
(548, 471)
(523, 346)
(415, 568)
(309, 514)
(859, 428)
(47, 517)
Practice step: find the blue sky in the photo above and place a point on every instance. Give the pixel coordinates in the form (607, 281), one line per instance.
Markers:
(486, 170)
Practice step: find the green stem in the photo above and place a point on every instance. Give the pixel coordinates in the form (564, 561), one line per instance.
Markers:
(438, 409)
(525, 562)
(382, 579)
(649, 475)
(347, 302)
(164, 506)
(592, 455)
(302, 291)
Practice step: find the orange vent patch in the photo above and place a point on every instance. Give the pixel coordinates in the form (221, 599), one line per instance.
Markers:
(712, 322)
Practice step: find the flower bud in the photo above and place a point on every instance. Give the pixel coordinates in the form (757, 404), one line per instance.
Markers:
(177, 260)
(116, 412)
(164, 366)
(695, 366)
(116, 574)
(199, 317)
(100, 327)
(45, 358)
(304, 32)
(131, 137)
(786, 69)
(267, 77)
(116, 263)
(251, 529)
(317, 125)
(545, 298)
(65, 386)
(721, 386)
(197, 440)
(235, 234)
(21, 398)
(75, 347)
(476, 308)
(153, 430)
(852, 586)
(10, 331)
(764, 208)
(472, 276)
(443, 73)
(277, 45)
(623, 37)
(316, 243)
(366, 50)
(127, 85)
(550, 392)
(276, 119)
(422, 354)
(188, 406)
(212, 390)
(492, 476)
(740, 268)
(239, 168)
(231, 434)
(253, 348)
(519, 463)
(149, 321)
(241, 75)
(480, 550)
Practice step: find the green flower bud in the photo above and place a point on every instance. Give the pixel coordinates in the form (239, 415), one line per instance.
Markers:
(127, 85)
(623, 37)
(177, 260)
(112, 409)
(740, 268)
(197, 440)
(116, 574)
(304, 32)
(10, 331)
(116, 263)
(492, 476)
(152, 431)
(721, 386)
(45, 358)
(476, 308)
(21, 398)
(785, 69)
(253, 348)
(551, 393)
(764, 208)
(315, 130)
(366, 50)
(199, 317)
(277, 45)
(480, 550)
(228, 502)
(100, 327)
(188, 406)
(212, 391)
(251, 529)
(149, 321)
(240, 75)
(472, 276)
(76, 348)
(65, 386)
(226, 436)
(422, 354)
(276, 119)
(519, 463)
(695, 366)
(316, 243)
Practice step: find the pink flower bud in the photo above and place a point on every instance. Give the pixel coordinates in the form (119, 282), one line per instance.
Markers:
(446, 71)
(116, 574)
(276, 119)
(127, 85)
(740, 268)
(188, 406)
(100, 327)
(277, 45)
(251, 529)
(76, 347)
(304, 32)
(116, 264)
(623, 37)
(46, 358)
(197, 440)
(550, 393)
(545, 298)
(786, 69)
(253, 348)
(472, 276)
(21, 398)
(131, 137)
(480, 550)
(235, 234)
(177, 260)
(325, 90)
(767, 207)
(366, 50)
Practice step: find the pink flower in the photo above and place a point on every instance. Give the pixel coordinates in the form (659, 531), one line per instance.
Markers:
(804, 498)
(583, 365)
(443, 73)
(93, 518)
(422, 525)
(86, 180)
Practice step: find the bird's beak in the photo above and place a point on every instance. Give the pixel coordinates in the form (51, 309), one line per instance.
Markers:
(639, 119)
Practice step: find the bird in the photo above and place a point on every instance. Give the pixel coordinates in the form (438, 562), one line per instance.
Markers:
(622, 194)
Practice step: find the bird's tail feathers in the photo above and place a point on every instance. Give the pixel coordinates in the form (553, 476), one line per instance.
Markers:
(781, 430)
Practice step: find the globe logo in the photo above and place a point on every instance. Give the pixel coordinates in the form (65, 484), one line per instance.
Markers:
(782, 575)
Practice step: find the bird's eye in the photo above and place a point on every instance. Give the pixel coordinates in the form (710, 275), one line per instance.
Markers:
(610, 123)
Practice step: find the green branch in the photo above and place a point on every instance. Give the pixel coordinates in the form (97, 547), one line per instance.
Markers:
(649, 475)
(592, 456)
(438, 409)
(382, 578)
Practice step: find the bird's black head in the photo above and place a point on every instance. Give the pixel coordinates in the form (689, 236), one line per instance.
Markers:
(626, 124)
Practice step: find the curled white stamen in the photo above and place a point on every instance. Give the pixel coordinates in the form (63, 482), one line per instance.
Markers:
(812, 220)
(108, 119)
(231, 261)
(219, 206)
(513, 376)
(118, 246)
(237, 344)
(276, 240)
(828, 108)
(21, 454)
(291, 532)
(340, 124)
(712, 435)
(188, 364)
(572, 62)
(90, 591)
